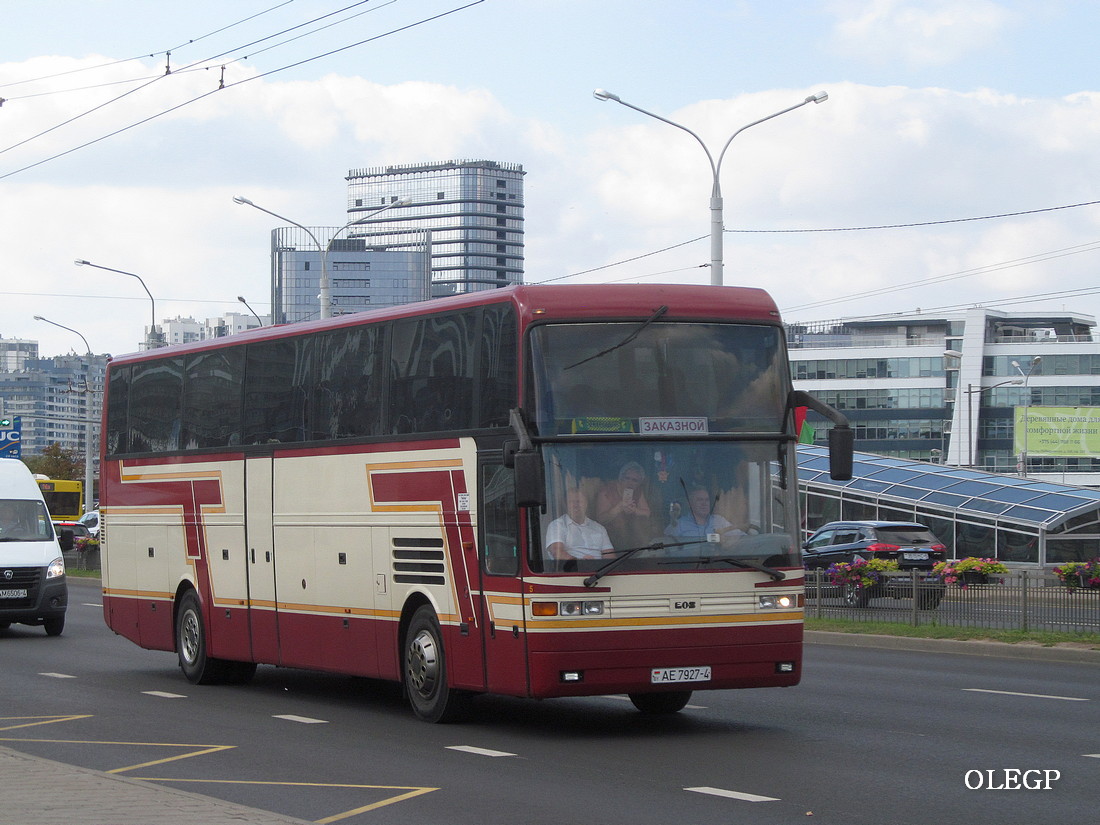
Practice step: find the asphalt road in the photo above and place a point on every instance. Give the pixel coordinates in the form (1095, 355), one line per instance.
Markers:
(870, 736)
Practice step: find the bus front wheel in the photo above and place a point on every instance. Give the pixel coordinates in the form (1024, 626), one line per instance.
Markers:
(432, 699)
(197, 666)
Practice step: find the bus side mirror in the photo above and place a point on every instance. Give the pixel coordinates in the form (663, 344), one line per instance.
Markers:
(530, 489)
(841, 441)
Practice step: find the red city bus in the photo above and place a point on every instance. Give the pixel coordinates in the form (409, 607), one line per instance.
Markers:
(537, 491)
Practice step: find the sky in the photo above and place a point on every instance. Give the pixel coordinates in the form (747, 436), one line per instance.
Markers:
(954, 163)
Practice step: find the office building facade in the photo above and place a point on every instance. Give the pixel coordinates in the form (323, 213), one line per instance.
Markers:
(54, 398)
(471, 212)
(969, 388)
(361, 276)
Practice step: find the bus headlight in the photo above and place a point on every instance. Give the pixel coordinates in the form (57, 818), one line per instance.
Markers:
(582, 608)
(573, 609)
(777, 602)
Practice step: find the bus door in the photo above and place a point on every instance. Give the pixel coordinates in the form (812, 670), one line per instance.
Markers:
(503, 631)
(259, 539)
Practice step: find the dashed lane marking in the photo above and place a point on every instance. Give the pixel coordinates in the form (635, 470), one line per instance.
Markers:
(57, 675)
(744, 797)
(160, 694)
(305, 720)
(1029, 695)
(478, 751)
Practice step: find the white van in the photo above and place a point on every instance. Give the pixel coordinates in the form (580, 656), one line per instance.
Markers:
(33, 589)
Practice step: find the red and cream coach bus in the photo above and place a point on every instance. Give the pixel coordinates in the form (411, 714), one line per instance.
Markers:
(535, 491)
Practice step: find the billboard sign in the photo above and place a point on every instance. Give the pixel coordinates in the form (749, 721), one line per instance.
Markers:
(1064, 432)
(11, 430)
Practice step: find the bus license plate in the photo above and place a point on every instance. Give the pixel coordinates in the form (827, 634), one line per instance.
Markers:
(664, 675)
(13, 594)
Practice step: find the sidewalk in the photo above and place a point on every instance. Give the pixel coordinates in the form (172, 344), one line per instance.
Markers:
(37, 791)
(1065, 652)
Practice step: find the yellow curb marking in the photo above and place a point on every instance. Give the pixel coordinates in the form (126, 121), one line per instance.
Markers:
(411, 791)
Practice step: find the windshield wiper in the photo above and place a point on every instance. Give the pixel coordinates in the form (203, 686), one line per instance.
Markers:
(660, 311)
(777, 575)
(626, 554)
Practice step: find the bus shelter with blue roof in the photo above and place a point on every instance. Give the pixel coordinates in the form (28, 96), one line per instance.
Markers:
(1016, 520)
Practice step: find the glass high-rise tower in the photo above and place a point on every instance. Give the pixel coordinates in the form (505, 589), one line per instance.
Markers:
(470, 212)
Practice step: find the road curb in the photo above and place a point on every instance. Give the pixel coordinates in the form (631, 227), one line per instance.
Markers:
(999, 650)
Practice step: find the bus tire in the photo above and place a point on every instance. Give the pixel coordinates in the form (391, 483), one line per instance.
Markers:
(425, 671)
(199, 668)
(653, 704)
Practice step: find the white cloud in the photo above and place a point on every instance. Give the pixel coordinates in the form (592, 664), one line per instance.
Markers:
(157, 201)
(927, 33)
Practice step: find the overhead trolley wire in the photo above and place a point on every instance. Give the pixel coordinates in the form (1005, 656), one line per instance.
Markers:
(227, 86)
(194, 66)
(110, 63)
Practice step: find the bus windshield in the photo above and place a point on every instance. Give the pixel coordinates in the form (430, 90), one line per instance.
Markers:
(667, 506)
(660, 378)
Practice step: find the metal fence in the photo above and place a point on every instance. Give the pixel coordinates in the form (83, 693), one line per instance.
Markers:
(1021, 600)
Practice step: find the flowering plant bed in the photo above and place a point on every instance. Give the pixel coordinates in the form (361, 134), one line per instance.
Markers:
(860, 573)
(1076, 574)
(87, 544)
(971, 570)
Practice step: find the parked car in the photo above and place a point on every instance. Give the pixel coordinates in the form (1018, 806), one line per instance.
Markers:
(80, 531)
(913, 546)
(91, 521)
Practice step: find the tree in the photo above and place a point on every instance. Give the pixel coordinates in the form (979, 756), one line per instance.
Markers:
(56, 462)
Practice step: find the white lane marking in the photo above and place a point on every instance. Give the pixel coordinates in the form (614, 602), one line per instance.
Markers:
(478, 751)
(1030, 695)
(91, 604)
(305, 720)
(744, 797)
(1093, 755)
(163, 695)
(57, 675)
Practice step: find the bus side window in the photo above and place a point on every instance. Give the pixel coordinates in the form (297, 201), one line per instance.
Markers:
(499, 521)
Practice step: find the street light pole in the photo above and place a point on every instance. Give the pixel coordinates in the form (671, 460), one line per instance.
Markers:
(1027, 407)
(250, 309)
(322, 249)
(970, 391)
(716, 218)
(89, 476)
(152, 340)
(326, 291)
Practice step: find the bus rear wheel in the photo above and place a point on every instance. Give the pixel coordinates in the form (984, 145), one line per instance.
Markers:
(425, 669)
(661, 703)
